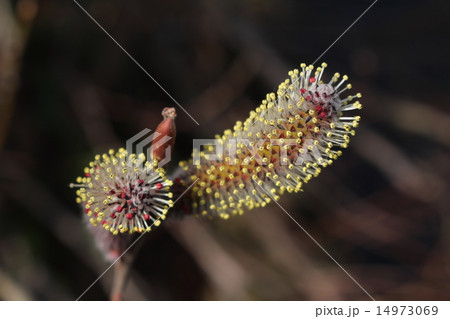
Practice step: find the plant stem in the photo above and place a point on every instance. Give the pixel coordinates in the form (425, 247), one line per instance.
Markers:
(121, 271)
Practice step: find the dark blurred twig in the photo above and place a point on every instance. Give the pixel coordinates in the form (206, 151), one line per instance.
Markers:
(14, 29)
(221, 268)
(11, 290)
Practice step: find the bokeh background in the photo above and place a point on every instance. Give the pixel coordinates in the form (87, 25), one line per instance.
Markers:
(68, 92)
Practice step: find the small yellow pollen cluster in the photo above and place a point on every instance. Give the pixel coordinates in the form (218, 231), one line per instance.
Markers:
(124, 192)
(285, 142)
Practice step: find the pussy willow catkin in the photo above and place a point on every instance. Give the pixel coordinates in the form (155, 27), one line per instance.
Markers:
(285, 142)
(123, 192)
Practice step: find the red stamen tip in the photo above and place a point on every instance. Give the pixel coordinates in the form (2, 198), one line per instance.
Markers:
(146, 216)
(119, 209)
(113, 215)
(302, 91)
(318, 108)
(312, 80)
(159, 185)
(322, 115)
(129, 215)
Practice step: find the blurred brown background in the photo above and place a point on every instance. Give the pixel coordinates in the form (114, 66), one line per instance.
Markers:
(68, 92)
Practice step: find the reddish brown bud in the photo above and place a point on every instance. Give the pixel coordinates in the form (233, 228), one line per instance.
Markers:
(166, 137)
